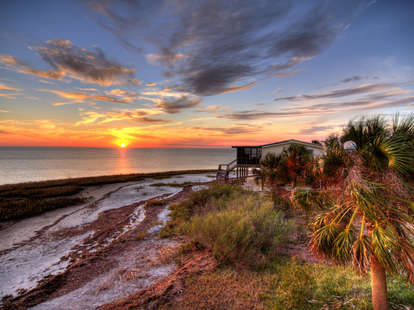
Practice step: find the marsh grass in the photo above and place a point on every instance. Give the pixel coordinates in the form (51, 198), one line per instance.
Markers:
(175, 184)
(29, 199)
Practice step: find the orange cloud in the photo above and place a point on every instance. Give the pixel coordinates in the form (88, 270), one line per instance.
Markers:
(79, 97)
(67, 59)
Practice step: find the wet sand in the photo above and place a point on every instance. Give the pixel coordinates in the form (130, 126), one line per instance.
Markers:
(88, 255)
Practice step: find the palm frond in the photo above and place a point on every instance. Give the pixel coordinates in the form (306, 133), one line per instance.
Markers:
(361, 253)
(384, 245)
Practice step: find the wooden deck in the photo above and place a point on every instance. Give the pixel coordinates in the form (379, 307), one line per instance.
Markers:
(234, 172)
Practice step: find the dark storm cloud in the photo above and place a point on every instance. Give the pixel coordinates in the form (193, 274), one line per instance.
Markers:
(67, 59)
(176, 105)
(352, 79)
(211, 45)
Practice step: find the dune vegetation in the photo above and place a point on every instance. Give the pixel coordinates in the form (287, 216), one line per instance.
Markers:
(352, 212)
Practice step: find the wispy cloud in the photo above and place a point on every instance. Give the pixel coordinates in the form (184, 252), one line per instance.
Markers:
(9, 91)
(177, 105)
(316, 129)
(249, 40)
(67, 59)
(80, 97)
(361, 89)
(352, 79)
(232, 130)
(136, 115)
(209, 109)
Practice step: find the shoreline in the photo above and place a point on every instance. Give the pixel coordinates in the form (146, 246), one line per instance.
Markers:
(104, 179)
(115, 238)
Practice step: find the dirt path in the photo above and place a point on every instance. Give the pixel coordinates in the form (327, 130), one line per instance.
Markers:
(92, 254)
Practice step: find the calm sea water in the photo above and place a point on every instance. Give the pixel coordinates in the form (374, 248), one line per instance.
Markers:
(25, 164)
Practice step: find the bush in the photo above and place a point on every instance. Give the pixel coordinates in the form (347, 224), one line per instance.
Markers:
(311, 200)
(200, 202)
(237, 225)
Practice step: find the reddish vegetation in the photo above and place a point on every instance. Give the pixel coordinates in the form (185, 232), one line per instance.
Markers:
(168, 288)
(88, 265)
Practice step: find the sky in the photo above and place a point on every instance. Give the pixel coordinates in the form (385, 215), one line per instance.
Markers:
(177, 73)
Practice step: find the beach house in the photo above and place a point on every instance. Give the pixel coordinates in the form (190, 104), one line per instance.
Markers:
(248, 156)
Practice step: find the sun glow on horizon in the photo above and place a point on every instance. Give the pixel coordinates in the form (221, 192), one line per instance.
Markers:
(123, 145)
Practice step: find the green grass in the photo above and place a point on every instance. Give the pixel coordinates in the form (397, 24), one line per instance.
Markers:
(239, 226)
(289, 285)
(29, 199)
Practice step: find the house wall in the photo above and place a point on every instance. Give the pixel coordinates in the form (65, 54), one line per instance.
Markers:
(278, 149)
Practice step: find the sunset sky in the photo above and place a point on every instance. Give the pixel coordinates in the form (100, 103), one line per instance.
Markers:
(208, 73)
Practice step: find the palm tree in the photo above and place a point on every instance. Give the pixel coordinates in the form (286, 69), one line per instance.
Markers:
(334, 160)
(297, 159)
(371, 225)
(269, 166)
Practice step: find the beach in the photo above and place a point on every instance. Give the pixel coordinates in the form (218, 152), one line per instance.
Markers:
(95, 252)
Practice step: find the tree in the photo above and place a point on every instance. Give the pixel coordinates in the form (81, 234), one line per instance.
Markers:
(334, 160)
(371, 224)
(269, 167)
(296, 157)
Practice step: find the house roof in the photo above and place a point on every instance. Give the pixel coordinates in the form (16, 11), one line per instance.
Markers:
(284, 142)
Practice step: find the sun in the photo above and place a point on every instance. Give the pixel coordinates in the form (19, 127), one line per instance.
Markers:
(123, 144)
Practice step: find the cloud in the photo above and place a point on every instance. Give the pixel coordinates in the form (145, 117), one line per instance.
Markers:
(6, 87)
(167, 59)
(137, 115)
(361, 89)
(364, 102)
(9, 91)
(209, 109)
(3, 111)
(67, 59)
(252, 115)
(315, 129)
(234, 130)
(80, 97)
(176, 105)
(287, 74)
(352, 79)
(151, 84)
(238, 88)
(210, 45)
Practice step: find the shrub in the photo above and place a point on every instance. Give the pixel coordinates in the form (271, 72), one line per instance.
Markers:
(237, 225)
(200, 202)
(247, 231)
(309, 200)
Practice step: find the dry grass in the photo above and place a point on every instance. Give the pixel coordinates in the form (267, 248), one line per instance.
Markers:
(286, 285)
(222, 289)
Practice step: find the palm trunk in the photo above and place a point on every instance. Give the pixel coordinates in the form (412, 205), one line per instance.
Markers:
(378, 285)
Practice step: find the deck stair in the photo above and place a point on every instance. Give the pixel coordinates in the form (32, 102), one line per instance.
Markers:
(224, 170)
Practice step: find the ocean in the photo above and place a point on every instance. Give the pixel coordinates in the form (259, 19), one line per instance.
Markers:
(27, 164)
